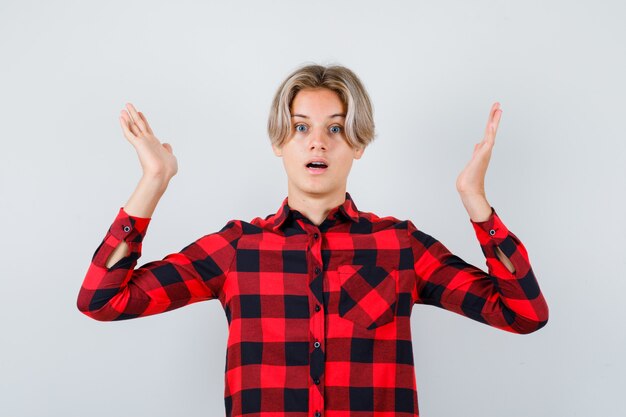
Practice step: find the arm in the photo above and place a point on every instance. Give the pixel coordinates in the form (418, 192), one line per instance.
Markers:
(112, 288)
(158, 163)
(480, 210)
(142, 203)
(508, 296)
(507, 300)
(122, 292)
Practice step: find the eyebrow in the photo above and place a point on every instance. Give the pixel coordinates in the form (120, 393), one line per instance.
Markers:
(330, 117)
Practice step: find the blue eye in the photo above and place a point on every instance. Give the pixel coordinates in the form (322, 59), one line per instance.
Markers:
(335, 129)
(300, 130)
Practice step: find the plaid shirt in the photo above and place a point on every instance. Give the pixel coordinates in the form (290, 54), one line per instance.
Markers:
(318, 316)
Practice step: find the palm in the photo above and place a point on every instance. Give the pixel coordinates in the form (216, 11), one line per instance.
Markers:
(156, 158)
(472, 179)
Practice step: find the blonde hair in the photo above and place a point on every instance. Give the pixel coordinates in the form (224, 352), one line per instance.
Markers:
(359, 126)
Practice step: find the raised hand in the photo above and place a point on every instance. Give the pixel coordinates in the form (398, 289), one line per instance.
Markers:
(471, 181)
(157, 159)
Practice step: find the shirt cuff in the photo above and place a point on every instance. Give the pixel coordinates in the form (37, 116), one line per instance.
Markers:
(129, 228)
(491, 229)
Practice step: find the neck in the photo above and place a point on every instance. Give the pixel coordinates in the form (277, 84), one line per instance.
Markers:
(315, 207)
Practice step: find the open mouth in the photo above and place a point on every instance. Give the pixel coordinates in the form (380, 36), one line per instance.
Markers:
(317, 165)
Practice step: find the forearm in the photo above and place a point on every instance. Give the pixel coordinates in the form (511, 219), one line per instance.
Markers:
(477, 206)
(126, 291)
(146, 196)
(141, 203)
(479, 210)
(496, 297)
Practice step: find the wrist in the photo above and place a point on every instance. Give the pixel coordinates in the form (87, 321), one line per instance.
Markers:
(154, 182)
(477, 206)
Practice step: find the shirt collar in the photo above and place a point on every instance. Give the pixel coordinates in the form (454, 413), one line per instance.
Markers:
(347, 209)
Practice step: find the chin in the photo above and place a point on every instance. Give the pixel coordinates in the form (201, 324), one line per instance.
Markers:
(315, 187)
(316, 190)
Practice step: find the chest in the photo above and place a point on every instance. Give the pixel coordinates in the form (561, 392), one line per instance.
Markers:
(362, 277)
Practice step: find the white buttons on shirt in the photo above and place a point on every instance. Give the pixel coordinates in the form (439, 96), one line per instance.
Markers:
(127, 229)
(492, 232)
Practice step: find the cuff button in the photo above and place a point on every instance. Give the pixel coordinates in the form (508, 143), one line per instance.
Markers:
(492, 232)
(127, 229)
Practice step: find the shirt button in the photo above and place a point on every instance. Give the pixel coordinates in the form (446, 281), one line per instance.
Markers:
(317, 307)
(316, 235)
(492, 232)
(316, 344)
(318, 414)
(317, 270)
(127, 229)
(317, 381)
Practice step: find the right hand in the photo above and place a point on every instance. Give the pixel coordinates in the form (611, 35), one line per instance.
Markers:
(157, 159)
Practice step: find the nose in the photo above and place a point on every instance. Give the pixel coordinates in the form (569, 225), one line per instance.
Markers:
(318, 140)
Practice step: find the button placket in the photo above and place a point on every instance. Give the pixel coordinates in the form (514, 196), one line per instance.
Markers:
(316, 362)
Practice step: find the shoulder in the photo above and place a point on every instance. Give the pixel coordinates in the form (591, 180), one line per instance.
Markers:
(255, 226)
(402, 228)
(379, 223)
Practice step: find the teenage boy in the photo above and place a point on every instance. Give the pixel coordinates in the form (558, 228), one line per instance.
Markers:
(318, 296)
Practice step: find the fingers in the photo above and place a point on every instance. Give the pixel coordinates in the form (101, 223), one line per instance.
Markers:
(492, 122)
(168, 147)
(496, 122)
(136, 118)
(134, 122)
(131, 124)
(145, 121)
(125, 122)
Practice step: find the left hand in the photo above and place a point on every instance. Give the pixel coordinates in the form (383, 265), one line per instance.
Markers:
(471, 181)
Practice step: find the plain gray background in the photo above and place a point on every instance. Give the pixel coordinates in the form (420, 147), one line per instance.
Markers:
(204, 73)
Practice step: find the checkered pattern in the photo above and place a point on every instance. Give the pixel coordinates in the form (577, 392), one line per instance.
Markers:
(318, 316)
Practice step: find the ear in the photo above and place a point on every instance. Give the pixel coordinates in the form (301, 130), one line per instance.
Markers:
(278, 151)
(358, 152)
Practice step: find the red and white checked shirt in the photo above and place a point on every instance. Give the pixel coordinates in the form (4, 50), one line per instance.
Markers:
(318, 316)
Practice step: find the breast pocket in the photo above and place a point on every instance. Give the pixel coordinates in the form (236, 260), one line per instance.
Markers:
(368, 295)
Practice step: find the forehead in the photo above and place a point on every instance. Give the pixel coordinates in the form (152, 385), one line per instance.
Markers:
(317, 101)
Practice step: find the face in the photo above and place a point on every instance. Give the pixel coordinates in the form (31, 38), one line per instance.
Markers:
(317, 157)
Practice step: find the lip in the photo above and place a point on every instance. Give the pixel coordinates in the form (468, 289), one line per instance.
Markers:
(325, 162)
(316, 171)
